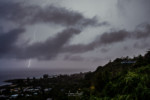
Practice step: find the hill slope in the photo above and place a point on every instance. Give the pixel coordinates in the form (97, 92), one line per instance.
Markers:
(122, 79)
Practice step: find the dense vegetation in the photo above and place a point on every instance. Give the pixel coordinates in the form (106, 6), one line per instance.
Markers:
(122, 79)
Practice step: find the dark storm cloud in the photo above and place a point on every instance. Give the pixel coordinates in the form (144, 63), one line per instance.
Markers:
(50, 48)
(101, 40)
(25, 14)
(59, 44)
(110, 38)
(31, 14)
(47, 50)
(8, 40)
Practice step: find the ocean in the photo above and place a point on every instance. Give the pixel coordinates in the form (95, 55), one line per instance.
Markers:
(37, 73)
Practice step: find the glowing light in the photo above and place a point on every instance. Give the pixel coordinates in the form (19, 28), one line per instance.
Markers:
(29, 63)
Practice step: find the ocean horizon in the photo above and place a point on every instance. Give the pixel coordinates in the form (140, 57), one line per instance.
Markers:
(37, 73)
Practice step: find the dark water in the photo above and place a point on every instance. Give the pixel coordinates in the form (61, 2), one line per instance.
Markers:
(16, 74)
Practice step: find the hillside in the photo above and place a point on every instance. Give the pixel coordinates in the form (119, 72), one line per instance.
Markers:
(122, 79)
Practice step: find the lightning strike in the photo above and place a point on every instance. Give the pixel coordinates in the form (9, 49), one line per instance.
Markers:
(29, 63)
(34, 37)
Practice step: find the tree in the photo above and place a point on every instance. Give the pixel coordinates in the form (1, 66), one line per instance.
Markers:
(45, 76)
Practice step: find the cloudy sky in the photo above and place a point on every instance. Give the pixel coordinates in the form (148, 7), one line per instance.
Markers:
(71, 34)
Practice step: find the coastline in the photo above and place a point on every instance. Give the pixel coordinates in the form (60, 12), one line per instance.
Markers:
(5, 83)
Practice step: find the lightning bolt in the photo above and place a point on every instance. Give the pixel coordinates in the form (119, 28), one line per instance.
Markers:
(29, 63)
(34, 36)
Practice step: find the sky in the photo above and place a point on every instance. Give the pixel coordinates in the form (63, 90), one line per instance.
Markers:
(71, 34)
